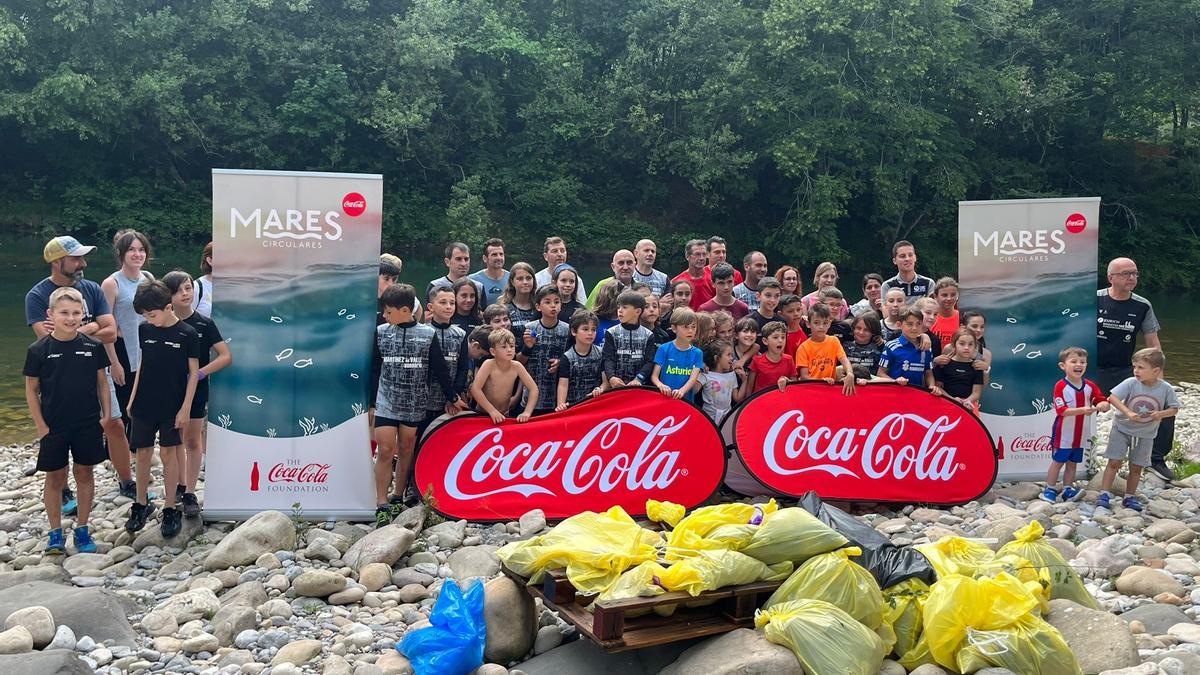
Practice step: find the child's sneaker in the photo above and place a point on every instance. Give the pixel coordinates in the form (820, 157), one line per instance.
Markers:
(1049, 495)
(1070, 494)
(138, 513)
(383, 516)
(70, 505)
(172, 522)
(1102, 502)
(83, 540)
(127, 488)
(57, 544)
(191, 505)
(1131, 502)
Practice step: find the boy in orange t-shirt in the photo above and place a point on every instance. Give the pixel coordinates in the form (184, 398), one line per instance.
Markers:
(818, 357)
(945, 292)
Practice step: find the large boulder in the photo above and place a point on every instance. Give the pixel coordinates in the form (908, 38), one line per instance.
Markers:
(740, 652)
(152, 536)
(474, 561)
(1101, 641)
(384, 545)
(50, 662)
(249, 594)
(16, 640)
(264, 532)
(1149, 582)
(318, 583)
(48, 573)
(198, 603)
(95, 612)
(511, 621)
(37, 620)
(297, 653)
(1157, 618)
(231, 620)
(1108, 557)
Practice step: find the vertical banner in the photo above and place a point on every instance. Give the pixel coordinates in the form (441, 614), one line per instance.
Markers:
(1030, 266)
(296, 260)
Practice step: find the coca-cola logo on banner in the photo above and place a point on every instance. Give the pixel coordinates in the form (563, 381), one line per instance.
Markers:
(618, 449)
(291, 476)
(887, 443)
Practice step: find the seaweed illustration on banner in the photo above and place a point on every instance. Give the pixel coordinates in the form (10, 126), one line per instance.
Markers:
(1040, 405)
(309, 425)
(357, 408)
(225, 421)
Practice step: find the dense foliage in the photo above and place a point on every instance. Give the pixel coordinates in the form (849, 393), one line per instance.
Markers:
(819, 129)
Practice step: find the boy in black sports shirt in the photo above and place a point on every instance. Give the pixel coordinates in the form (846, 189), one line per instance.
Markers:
(452, 340)
(67, 392)
(544, 342)
(581, 368)
(161, 401)
(628, 353)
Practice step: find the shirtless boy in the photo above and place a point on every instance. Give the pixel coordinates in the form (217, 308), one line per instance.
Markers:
(493, 385)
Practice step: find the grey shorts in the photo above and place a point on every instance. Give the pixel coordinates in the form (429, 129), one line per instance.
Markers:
(112, 396)
(1122, 445)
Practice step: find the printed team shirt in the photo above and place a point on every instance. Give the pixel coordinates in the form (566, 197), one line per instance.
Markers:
(866, 355)
(742, 292)
(627, 351)
(1139, 398)
(1068, 431)
(676, 366)
(821, 358)
(1117, 325)
(452, 342)
(163, 377)
(66, 373)
(551, 343)
(901, 358)
(583, 373)
(656, 280)
(919, 287)
(406, 357)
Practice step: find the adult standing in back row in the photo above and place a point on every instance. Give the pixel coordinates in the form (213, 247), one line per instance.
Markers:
(904, 256)
(493, 276)
(1120, 315)
(555, 253)
(696, 254)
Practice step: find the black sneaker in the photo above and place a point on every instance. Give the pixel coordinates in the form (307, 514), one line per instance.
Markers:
(1159, 468)
(138, 513)
(179, 492)
(128, 488)
(191, 505)
(383, 516)
(172, 522)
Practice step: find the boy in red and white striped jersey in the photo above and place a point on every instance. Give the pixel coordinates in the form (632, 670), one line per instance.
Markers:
(1074, 399)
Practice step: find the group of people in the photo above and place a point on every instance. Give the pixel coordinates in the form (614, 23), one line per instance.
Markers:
(520, 341)
(117, 368)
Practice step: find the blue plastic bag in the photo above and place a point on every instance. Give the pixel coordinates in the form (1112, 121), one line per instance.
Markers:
(453, 644)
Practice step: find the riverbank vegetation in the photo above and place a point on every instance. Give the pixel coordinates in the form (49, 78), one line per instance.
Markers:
(818, 129)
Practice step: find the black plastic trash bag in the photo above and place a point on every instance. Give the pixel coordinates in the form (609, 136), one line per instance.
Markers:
(888, 563)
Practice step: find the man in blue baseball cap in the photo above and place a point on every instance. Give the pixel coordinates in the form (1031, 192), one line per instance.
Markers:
(67, 263)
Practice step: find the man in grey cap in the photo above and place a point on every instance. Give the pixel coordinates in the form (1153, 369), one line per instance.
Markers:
(67, 263)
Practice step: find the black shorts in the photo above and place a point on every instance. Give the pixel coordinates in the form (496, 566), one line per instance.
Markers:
(389, 422)
(142, 432)
(199, 407)
(84, 442)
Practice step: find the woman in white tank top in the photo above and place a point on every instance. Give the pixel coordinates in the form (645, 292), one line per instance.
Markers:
(202, 298)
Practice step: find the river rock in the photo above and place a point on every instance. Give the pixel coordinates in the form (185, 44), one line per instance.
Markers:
(1108, 557)
(198, 603)
(1099, 640)
(16, 640)
(393, 662)
(374, 576)
(511, 621)
(318, 583)
(1185, 632)
(1165, 528)
(231, 620)
(384, 545)
(201, 642)
(56, 662)
(264, 532)
(347, 596)
(739, 652)
(407, 575)
(322, 549)
(37, 620)
(297, 653)
(81, 563)
(47, 573)
(548, 637)
(159, 622)
(449, 534)
(249, 594)
(64, 638)
(1157, 619)
(474, 561)
(1149, 582)
(152, 536)
(532, 522)
(96, 612)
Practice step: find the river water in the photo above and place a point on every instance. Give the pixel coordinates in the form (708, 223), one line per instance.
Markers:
(21, 267)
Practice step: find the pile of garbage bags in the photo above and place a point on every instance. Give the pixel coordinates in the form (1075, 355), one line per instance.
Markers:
(849, 597)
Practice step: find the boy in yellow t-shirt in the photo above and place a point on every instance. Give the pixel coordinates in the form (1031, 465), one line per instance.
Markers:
(818, 357)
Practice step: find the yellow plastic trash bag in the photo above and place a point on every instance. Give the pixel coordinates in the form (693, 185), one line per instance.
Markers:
(956, 555)
(1029, 646)
(664, 512)
(710, 570)
(825, 639)
(638, 582)
(698, 531)
(792, 534)
(1031, 544)
(595, 548)
(903, 604)
(958, 604)
(843, 583)
(1035, 579)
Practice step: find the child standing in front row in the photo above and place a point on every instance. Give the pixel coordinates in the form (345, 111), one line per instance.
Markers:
(628, 346)
(959, 377)
(407, 356)
(1142, 401)
(545, 341)
(746, 345)
(818, 357)
(1074, 399)
(161, 401)
(719, 385)
(903, 360)
(493, 387)
(773, 367)
(677, 363)
(581, 368)
(67, 393)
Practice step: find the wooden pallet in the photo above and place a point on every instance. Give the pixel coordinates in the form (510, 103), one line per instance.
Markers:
(608, 626)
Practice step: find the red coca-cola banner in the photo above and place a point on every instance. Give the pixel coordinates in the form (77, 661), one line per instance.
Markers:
(887, 443)
(619, 449)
